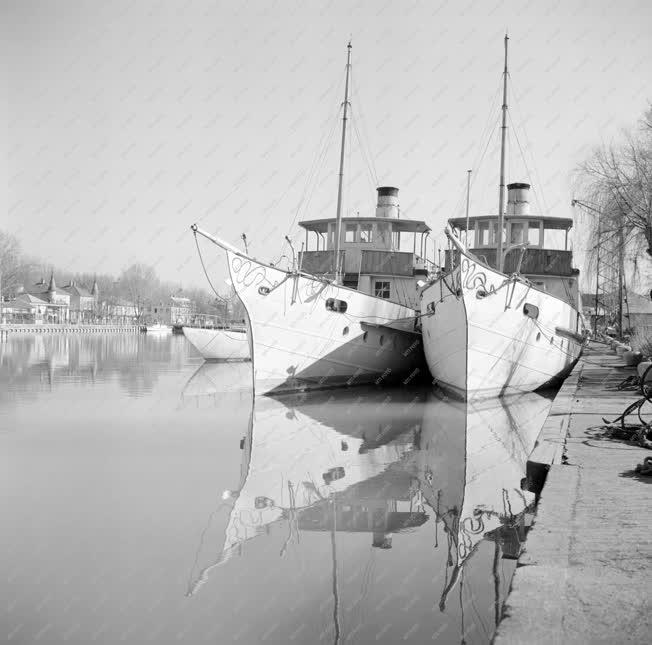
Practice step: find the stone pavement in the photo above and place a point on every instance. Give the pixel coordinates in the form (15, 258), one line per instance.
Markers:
(586, 574)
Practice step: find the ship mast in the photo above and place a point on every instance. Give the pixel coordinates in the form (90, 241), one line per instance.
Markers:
(338, 222)
(501, 194)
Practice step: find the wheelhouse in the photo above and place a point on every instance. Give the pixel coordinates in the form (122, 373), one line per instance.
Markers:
(372, 256)
(535, 246)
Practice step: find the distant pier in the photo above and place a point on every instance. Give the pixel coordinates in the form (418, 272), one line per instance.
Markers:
(585, 574)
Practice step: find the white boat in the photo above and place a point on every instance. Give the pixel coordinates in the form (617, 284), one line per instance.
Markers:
(503, 321)
(157, 328)
(344, 313)
(228, 344)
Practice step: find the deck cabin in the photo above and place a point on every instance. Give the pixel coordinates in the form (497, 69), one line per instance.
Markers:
(370, 257)
(547, 261)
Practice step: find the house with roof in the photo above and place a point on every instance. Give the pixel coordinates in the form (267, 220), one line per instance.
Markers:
(122, 311)
(25, 309)
(637, 311)
(180, 310)
(176, 311)
(83, 303)
(56, 299)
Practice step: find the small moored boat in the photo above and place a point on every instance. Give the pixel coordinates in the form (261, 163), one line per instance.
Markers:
(214, 344)
(156, 328)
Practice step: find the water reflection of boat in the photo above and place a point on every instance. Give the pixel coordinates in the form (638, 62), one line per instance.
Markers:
(381, 463)
(214, 379)
(301, 450)
(230, 344)
(477, 486)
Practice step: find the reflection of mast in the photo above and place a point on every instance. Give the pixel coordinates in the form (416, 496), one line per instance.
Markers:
(462, 639)
(496, 575)
(336, 598)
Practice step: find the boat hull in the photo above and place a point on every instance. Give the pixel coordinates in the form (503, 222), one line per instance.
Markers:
(299, 341)
(488, 335)
(219, 344)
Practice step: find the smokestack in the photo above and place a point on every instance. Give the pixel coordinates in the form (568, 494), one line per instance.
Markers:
(387, 206)
(518, 199)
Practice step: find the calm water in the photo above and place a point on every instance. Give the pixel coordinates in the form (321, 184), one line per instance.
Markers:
(146, 499)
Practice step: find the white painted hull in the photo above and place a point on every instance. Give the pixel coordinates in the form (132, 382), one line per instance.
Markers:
(485, 347)
(297, 343)
(219, 344)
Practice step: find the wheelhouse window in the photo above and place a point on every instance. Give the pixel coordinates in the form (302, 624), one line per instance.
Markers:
(517, 232)
(482, 233)
(494, 234)
(381, 289)
(366, 232)
(384, 234)
(349, 233)
(534, 234)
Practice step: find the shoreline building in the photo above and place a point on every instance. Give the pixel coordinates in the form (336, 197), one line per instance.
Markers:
(57, 300)
(83, 303)
(177, 311)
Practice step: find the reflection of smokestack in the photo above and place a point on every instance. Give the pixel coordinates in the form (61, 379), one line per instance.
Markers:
(518, 199)
(387, 206)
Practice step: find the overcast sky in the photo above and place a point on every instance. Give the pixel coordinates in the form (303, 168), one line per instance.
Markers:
(127, 121)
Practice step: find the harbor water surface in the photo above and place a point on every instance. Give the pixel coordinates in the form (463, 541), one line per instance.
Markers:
(146, 497)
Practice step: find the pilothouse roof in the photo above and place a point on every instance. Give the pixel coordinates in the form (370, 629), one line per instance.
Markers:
(549, 223)
(398, 225)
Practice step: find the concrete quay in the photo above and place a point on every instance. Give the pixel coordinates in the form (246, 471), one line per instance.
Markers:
(586, 573)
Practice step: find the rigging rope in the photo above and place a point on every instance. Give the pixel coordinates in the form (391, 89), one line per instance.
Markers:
(201, 259)
(365, 137)
(529, 146)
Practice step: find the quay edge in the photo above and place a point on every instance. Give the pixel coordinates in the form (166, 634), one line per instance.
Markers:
(584, 574)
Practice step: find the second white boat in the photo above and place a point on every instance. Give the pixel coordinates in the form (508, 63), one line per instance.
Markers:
(219, 344)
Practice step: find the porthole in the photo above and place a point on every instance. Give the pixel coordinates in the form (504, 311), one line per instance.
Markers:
(345, 331)
(539, 336)
(333, 475)
(531, 311)
(332, 304)
(263, 291)
(381, 340)
(364, 336)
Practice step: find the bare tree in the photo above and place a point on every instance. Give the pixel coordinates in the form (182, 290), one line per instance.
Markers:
(139, 281)
(617, 179)
(12, 264)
